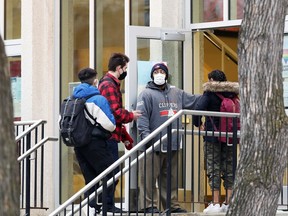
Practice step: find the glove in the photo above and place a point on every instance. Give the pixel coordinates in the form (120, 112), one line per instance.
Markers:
(126, 139)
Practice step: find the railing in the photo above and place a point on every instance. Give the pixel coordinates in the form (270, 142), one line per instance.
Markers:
(30, 140)
(192, 184)
(223, 48)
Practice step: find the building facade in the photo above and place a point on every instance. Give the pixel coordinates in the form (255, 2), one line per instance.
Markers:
(47, 42)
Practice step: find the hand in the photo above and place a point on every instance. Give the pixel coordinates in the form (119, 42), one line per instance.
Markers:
(136, 114)
(128, 145)
(202, 128)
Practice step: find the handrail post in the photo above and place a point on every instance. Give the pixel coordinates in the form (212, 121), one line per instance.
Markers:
(235, 140)
(169, 167)
(28, 177)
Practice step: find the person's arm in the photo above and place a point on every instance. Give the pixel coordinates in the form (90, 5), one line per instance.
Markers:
(121, 115)
(202, 104)
(143, 122)
(190, 101)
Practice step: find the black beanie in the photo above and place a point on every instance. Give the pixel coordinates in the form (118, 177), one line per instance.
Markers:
(161, 66)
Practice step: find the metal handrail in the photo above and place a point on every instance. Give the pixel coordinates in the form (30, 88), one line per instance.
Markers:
(28, 130)
(24, 141)
(35, 147)
(221, 45)
(131, 152)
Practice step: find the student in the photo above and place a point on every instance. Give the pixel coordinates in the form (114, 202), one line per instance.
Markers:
(218, 155)
(158, 102)
(94, 157)
(109, 87)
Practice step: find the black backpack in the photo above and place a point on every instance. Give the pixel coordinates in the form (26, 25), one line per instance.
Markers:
(75, 128)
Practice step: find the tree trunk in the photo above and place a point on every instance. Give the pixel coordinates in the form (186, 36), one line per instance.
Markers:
(264, 131)
(9, 167)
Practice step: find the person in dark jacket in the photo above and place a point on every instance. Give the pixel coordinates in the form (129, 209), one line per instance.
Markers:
(218, 155)
(94, 157)
(158, 102)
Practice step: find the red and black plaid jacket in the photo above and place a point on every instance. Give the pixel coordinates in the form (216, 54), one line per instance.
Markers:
(109, 87)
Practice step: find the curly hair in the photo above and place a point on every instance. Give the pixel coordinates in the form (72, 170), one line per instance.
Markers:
(217, 75)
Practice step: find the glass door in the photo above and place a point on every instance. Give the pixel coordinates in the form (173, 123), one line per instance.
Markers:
(146, 46)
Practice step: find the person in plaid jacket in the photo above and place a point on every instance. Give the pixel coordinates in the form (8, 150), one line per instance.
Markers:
(109, 87)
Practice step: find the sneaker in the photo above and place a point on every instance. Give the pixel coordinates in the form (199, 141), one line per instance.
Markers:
(224, 207)
(212, 208)
(178, 210)
(151, 210)
(89, 211)
(114, 209)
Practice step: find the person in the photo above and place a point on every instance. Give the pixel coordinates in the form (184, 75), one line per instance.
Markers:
(109, 87)
(218, 155)
(94, 157)
(158, 102)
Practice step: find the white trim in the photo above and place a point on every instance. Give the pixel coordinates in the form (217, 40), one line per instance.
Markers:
(92, 37)
(187, 13)
(56, 149)
(13, 47)
(2, 9)
(218, 24)
(225, 10)
(286, 24)
(126, 23)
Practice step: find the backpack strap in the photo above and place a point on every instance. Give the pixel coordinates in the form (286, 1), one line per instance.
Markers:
(220, 96)
(215, 128)
(86, 110)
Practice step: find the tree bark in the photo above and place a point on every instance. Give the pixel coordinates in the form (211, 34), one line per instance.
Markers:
(9, 167)
(264, 130)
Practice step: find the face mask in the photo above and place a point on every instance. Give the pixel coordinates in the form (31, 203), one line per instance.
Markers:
(159, 79)
(123, 75)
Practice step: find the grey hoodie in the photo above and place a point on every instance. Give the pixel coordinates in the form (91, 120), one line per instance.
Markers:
(157, 105)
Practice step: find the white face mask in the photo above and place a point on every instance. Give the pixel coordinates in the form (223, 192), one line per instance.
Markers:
(159, 79)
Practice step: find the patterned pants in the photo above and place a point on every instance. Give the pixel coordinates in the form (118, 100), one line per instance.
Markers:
(219, 164)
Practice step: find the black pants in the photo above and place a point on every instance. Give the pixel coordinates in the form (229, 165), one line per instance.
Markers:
(93, 159)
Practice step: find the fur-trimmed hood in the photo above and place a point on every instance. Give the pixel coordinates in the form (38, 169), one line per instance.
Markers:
(214, 86)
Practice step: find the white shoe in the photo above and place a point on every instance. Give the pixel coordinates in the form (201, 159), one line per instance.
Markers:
(224, 207)
(212, 208)
(90, 210)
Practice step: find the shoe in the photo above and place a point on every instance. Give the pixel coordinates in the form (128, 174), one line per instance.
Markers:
(114, 209)
(151, 210)
(178, 210)
(224, 207)
(89, 211)
(212, 208)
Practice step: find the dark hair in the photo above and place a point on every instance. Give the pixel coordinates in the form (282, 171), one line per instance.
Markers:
(217, 75)
(117, 59)
(87, 75)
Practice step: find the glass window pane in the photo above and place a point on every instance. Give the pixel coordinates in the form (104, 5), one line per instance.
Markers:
(140, 12)
(150, 51)
(12, 19)
(74, 56)
(14, 64)
(109, 38)
(212, 10)
(207, 11)
(236, 9)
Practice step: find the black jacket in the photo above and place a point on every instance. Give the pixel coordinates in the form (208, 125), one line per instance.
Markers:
(209, 101)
